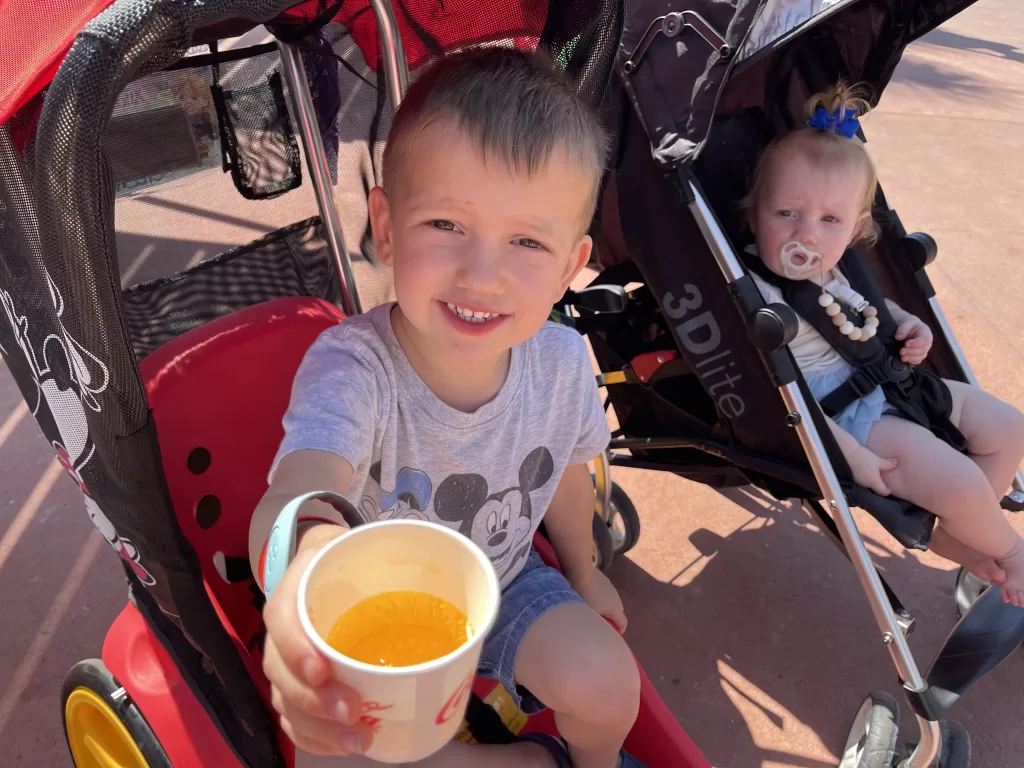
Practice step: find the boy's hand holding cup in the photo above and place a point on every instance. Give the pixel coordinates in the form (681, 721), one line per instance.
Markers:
(319, 714)
(332, 703)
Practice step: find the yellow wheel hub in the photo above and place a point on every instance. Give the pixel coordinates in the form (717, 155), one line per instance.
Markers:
(96, 734)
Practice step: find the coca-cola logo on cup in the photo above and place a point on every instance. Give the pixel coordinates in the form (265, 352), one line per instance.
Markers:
(455, 701)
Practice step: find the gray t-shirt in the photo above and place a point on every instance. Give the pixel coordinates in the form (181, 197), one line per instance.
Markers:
(489, 474)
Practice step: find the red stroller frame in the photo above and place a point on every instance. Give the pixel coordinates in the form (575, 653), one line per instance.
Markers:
(169, 431)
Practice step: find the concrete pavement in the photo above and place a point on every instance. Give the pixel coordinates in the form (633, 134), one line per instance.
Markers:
(751, 625)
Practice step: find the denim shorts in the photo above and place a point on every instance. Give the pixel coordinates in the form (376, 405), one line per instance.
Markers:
(536, 589)
(859, 416)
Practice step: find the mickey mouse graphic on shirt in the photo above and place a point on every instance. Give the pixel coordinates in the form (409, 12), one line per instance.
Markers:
(408, 501)
(501, 524)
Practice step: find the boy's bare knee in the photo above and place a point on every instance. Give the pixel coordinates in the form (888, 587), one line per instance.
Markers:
(602, 685)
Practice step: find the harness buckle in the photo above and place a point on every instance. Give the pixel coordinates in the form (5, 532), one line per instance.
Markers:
(899, 373)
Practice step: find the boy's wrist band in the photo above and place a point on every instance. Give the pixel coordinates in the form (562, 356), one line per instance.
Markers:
(281, 544)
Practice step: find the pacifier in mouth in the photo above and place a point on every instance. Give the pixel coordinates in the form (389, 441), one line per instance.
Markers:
(798, 260)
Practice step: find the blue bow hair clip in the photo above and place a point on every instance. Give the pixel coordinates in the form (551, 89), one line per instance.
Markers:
(846, 125)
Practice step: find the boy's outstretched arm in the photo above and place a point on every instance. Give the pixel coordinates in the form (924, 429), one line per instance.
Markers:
(569, 523)
(298, 473)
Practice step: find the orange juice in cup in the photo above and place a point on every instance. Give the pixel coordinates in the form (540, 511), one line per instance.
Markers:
(401, 609)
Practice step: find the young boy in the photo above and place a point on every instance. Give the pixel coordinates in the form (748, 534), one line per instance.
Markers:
(461, 405)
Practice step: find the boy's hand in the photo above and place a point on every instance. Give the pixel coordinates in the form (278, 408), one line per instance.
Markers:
(601, 595)
(917, 340)
(867, 468)
(319, 714)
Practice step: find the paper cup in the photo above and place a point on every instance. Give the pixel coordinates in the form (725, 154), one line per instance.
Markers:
(414, 711)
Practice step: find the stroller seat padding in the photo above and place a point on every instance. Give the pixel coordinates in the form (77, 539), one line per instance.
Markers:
(218, 394)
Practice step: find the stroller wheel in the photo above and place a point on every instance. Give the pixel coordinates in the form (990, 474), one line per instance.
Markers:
(872, 739)
(623, 521)
(967, 590)
(102, 725)
(956, 747)
(604, 549)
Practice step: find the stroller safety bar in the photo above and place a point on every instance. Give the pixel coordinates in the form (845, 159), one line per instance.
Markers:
(801, 419)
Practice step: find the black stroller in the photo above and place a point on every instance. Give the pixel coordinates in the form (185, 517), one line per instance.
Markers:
(691, 358)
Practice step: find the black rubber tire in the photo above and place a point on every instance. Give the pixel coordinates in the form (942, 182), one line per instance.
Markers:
(966, 591)
(956, 747)
(625, 510)
(604, 549)
(92, 674)
(873, 735)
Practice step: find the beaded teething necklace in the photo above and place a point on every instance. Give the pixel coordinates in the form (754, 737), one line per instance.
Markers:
(846, 295)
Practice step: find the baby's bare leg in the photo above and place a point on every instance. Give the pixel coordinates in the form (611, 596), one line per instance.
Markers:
(955, 489)
(575, 663)
(994, 432)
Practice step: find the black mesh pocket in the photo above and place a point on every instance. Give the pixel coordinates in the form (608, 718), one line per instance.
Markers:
(256, 139)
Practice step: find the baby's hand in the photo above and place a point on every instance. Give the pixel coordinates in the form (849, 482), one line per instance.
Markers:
(599, 593)
(917, 338)
(319, 714)
(867, 468)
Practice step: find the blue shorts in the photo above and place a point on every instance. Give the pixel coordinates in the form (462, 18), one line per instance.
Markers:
(536, 589)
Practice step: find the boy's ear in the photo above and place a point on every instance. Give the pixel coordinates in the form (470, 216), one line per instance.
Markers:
(578, 259)
(380, 225)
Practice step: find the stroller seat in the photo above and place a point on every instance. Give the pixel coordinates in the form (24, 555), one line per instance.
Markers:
(218, 394)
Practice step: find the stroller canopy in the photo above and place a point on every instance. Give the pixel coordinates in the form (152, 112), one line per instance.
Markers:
(36, 37)
(676, 63)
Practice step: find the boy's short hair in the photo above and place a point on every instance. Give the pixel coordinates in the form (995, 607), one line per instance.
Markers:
(515, 106)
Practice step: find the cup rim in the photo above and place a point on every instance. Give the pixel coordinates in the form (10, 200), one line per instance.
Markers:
(493, 588)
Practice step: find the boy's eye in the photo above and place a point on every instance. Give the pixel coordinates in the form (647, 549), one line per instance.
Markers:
(828, 217)
(786, 213)
(526, 242)
(444, 224)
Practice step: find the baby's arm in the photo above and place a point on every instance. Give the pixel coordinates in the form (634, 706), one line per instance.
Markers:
(867, 467)
(913, 332)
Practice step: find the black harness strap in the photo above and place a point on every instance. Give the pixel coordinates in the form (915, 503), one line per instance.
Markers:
(485, 724)
(916, 393)
(865, 380)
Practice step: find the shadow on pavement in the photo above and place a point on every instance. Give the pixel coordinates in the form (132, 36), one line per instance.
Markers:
(769, 630)
(947, 39)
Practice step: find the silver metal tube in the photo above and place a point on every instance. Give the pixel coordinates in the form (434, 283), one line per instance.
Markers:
(396, 66)
(927, 751)
(715, 237)
(603, 486)
(1018, 479)
(827, 481)
(316, 162)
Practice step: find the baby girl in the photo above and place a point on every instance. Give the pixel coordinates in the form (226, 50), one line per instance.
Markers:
(811, 200)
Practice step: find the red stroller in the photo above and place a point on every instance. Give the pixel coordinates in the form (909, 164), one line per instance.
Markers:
(163, 398)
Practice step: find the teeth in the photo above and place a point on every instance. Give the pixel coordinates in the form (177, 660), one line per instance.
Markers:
(471, 316)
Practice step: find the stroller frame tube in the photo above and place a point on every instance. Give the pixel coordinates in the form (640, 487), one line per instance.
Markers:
(316, 162)
(396, 66)
(892, 634)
